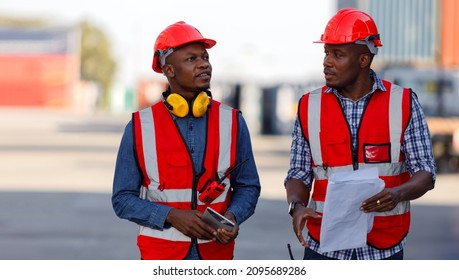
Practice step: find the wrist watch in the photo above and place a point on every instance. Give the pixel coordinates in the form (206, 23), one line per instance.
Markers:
(292, 206)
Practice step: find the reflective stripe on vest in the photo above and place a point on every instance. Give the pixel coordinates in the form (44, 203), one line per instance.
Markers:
(391, 166)
(168, 234)
(401, 208)
(385, 169)
(219, 157)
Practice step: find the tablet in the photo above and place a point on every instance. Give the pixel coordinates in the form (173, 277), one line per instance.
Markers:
(216, 220)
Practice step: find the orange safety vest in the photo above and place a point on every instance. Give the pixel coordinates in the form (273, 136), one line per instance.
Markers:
(169, 177)
(380, 135)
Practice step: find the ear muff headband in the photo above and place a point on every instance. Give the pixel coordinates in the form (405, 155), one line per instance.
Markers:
(178, 105)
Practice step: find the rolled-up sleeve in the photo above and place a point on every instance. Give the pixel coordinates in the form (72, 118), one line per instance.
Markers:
(300, 158)
(417, 143)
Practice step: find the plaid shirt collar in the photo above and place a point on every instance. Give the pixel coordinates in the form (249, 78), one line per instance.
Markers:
(378, 84)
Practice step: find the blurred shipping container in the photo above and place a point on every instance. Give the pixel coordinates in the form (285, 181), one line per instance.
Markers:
(38, 66)
(420, 33)
(409, 31)
(449, 53)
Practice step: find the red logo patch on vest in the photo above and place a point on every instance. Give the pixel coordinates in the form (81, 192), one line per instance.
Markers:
(377, 153)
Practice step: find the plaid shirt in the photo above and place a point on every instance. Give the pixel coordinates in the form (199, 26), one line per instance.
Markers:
(416, 146)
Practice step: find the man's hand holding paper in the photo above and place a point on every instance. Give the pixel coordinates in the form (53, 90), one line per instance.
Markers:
(344, 224)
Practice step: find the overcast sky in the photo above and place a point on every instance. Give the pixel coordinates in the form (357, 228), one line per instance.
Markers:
(256, 40)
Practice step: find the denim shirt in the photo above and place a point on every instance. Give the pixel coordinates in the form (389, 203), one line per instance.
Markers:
(127, 178)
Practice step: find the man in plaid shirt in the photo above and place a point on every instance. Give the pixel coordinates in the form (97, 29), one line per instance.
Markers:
(358, 121)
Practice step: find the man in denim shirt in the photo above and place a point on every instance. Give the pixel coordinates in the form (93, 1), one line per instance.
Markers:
(171, 152)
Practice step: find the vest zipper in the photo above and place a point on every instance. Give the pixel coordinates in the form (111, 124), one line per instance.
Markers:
(354, 151)
(194, 187)
(194, 192)
(355, 157)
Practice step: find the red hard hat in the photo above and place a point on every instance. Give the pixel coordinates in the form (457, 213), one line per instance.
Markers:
(350, 25)
(176, 35)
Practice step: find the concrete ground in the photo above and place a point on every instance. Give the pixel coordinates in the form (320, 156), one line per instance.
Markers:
(56, 171)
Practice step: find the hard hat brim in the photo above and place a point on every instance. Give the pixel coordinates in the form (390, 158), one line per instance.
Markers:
(208, 43)
(331, 42)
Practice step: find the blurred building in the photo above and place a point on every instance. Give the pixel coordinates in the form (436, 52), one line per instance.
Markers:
(39, 66)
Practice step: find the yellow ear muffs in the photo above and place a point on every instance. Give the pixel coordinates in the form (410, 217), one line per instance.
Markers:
(177, 105)
(200, 105)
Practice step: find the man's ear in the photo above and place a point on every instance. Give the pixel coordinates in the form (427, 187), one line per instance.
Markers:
(365, 60)
(168, 70)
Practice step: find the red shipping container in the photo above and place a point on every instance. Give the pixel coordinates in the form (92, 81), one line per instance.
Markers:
(38, 80)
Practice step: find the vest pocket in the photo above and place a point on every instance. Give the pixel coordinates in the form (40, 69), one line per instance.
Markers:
(336, 148)
(177, 172)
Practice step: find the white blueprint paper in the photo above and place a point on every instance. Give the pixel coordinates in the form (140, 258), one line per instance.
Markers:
(344, 225)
